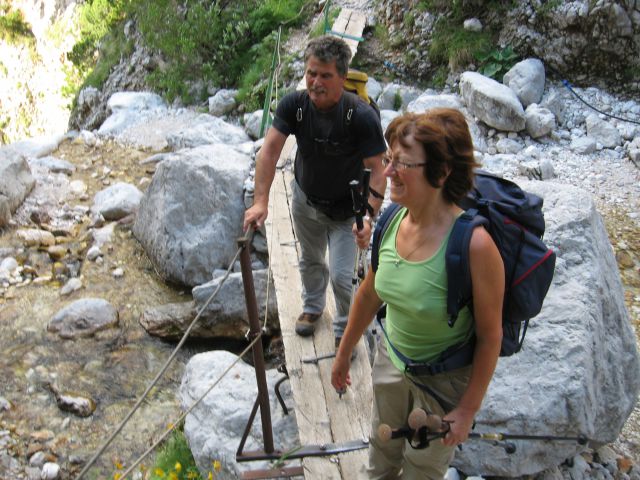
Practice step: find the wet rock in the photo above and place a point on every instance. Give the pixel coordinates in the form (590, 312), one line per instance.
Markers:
(83, 318)
(79, 404)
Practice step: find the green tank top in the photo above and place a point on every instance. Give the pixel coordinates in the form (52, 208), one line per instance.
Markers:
(416, 298)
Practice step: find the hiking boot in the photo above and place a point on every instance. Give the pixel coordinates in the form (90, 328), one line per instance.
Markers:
(306, 324)
(353, 352)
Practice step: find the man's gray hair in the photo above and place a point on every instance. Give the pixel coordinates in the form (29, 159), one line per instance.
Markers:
(328, 48)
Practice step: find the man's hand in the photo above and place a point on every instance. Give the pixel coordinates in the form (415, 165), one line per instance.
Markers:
(255, 215)
(362, 236)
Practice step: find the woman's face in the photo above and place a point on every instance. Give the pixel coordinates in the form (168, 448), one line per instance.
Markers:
(405, 171)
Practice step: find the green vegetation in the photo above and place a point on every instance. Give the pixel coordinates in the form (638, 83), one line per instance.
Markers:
(453, 47)
(495, 63)
(174, 460)
(13, 28)
(200, 43)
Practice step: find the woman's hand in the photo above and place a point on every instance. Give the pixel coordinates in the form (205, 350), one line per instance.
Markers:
(340, 377)
(460, 423)
(362, 236)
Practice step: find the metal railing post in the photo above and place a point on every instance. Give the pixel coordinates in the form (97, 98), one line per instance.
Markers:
(254, 331)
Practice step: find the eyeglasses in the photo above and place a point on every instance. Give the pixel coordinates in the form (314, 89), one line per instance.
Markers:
(398, 165)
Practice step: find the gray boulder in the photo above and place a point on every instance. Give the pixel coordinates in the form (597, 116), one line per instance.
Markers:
(222, 102)
(213, 428)
(16, 182)
(603, 132)
(227, 314)
(396, 97)
(493, 103)
(191, 214)
(129, 109)
(578, 370)
(427, 101)
(252, 123)
(539, 121)
(204, 130)
(526, 79)
(117, 201)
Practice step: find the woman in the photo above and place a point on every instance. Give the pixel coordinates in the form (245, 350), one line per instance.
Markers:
(430, 166)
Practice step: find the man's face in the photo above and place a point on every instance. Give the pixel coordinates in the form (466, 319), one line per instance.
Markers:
(324, 83)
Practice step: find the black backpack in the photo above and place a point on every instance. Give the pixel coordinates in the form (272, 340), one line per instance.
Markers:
(515, 221)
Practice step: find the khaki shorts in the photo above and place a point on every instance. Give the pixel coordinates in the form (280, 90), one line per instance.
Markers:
(395, 396)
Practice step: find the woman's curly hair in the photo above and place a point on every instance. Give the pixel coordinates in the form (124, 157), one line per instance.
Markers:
(445, 138)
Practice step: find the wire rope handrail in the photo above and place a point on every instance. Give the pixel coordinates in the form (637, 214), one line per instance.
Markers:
(164, 368)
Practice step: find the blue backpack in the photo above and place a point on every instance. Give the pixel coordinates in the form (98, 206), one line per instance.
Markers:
(515, 221)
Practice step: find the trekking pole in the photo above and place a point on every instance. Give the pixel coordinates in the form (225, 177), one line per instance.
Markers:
(360, 210)
(422, 428)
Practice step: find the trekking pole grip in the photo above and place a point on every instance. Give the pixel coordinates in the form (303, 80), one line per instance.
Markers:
(355, 198)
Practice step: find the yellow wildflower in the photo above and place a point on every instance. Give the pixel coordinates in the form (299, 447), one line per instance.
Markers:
(118, 465)
(217, 466)
(173, 476)
(210, 477)
(159, 472)
(178, 467)
(117, 476)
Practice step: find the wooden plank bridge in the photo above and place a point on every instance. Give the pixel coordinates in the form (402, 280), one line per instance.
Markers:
(322, 416)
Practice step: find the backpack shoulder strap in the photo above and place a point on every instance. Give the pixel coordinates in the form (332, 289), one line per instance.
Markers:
(381, 227)
(300, 102)
(457, 262)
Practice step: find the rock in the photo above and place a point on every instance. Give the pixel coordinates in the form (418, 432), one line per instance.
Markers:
(252, 123)
(452, 474)
(506, 145)
(79, 404)
(396, 97)
(118, 272)
(227, 312)
(54, 165)
(526, 79)
(83, 318)
(493, 103)
(71, 286)
(472, 25)
(50, 471)
(374, 89)
(191, 214)
(171, 320)
(223, 102)
(603, 132)
(16, 182)
(427, 101)
(215, 424)
(128, 109)
(93, 253)
(32, 237)
(579, 340)
(583, 145)
(9, 264)
(4, 404)
(117, 201)
(38, 459)
(205, 130)
(36, 147)
(539, 121)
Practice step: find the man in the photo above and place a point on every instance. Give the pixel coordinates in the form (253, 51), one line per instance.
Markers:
(338, 135)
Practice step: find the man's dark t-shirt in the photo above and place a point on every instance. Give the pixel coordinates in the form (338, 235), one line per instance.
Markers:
(330, 147)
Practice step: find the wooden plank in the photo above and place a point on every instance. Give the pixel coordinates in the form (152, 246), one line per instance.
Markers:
(321, 415)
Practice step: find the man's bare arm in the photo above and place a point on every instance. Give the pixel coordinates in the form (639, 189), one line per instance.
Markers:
(266, 162)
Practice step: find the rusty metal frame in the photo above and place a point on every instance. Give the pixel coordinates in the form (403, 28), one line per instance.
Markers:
(262, 400)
